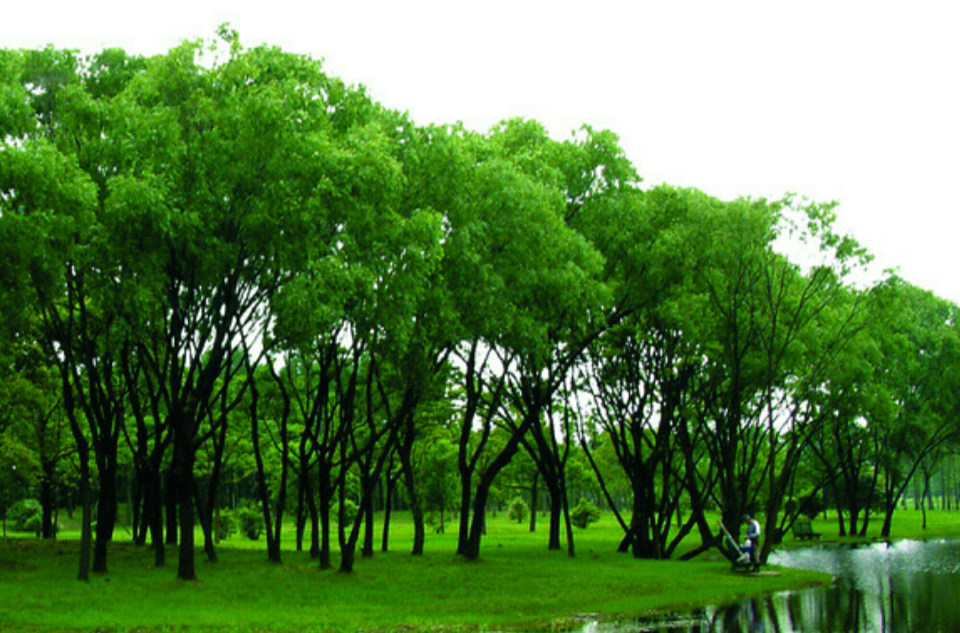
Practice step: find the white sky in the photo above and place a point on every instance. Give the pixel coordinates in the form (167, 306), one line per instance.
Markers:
(836, 100)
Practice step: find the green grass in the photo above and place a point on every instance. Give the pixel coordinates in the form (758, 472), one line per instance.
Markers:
(907, 524)
(517, 584)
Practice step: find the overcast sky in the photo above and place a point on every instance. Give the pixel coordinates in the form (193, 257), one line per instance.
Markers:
(852, 101)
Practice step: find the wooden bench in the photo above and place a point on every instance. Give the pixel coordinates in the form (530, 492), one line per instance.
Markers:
(804, 531)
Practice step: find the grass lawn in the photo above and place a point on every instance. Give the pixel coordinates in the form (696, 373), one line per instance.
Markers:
(517, 584)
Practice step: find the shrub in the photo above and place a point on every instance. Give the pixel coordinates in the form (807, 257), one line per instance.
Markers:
(250, 521)
(584, 514)
(811, 505)
(20, 514)
(226, 525)
(34, 524)
(517, 509)
(350, 510)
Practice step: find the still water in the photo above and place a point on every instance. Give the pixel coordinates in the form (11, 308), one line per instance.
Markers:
(911, 586)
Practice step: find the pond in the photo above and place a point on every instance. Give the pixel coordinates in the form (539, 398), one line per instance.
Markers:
(902, 586)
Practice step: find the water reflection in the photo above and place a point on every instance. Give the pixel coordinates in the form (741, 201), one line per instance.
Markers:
(904, 586)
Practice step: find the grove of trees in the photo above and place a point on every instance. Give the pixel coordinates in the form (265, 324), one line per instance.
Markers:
(230, 278)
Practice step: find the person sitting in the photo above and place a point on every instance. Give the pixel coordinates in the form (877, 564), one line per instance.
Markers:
(746, 552)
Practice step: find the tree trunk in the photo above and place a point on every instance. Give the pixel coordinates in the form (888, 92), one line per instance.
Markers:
(171, 502)
(205, 513)
(48, 499)
(314, 527)
(153, 515)
(86, 536)
(366, 509)
(184, 459)
(571, 550)
(534, 501)
(472, 549)
(463, 540)
(325, 503)
(416, 502)
(556, 516)
(106, 516)
(387, 515)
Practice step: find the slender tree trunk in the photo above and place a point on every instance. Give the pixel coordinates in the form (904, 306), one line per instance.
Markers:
(416, 501)
(325, 503)
(463, 540)
(153, 514)
(172, 502)
(314, 527)
(183, 470)
(301, 514)
(106, 516)
(205, 514)
(48, 500)
(472, 550)
(366, 509)
(571, 550)
(534, 501)
(86, 513)
(556, 516)
(273, 549)
(387, 516)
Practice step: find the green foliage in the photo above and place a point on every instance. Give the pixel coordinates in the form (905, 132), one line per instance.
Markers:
(226, 524)
(350, 509)
(517, 509)
(249, 522)
(24, 516)
(173, 216)
(584, 513)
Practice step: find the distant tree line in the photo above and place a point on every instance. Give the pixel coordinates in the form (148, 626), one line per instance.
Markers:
(229, 275)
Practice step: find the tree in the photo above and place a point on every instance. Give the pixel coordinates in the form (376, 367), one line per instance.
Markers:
(921, 353)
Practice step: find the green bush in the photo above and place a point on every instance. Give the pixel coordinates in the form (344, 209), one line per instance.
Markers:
(20, 514)
(584, 514)
(250, 521)
(517, 509)
(811, 505)
(350, 510)
(34, 524)
(226, 525)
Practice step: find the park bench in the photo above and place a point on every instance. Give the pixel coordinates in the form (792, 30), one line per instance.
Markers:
(804, 531)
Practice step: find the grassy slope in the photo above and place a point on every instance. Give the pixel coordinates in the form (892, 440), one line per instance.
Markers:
(517, 584)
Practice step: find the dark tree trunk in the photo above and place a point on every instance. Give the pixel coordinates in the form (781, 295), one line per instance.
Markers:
(48, 499)
(301, 514)
(405, 452)
(465, 501)
(556, 516)
(387, 516)
(534, 501)
(314, 527)
(171, 501)
(325, 504)
(106, 515)
(273, 548)
(472, 550)
(183, 469)
(205, 514)
(366, 509)
(83, 456)
(153, 513)
(487, 478)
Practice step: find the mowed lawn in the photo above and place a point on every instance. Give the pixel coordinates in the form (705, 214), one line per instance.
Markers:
(517, 584)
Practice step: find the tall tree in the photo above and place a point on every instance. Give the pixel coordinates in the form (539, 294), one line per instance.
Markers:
(229, 156)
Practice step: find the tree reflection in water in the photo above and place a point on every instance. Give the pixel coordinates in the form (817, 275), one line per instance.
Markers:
(885, 587)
